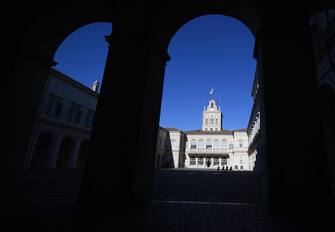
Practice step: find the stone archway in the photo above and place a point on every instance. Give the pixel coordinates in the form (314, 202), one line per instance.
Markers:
(42, 150)
(82, 156)
(66, 150)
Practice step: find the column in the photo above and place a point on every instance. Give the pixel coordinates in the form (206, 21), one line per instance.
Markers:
(196, 161)
(74, 155)
(54, 151)
(292, 118)
(118, 174)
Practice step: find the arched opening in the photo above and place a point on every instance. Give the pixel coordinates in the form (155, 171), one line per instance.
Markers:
(82, 154)
(207, 99)
(71, 89)
(66, 151)
(42, 151)
(234, 8)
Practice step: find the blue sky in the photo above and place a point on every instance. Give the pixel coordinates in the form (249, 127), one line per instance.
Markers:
(211, 51)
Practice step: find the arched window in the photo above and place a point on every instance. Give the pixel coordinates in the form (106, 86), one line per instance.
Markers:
(208, 144)
(241, 143)
(212, 105)
(201, 144)
(193, 144)
(231, 146)
(224, 144)
(216, 144)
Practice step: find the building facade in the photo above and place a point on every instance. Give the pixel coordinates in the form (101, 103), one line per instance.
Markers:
(211, 147)
(256, 136)
(63, 125)
(170, 148)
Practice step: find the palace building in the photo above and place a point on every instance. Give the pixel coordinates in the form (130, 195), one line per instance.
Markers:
(211, 147)
(214, 147)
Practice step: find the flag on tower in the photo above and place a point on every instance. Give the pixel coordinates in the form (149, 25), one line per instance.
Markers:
(211, 91)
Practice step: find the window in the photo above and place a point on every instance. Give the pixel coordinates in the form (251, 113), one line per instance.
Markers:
(211, 129)
(241, 161)
(201, 144)
(216, 144)
(241, 167)
(75, 113)
(216, 121)
(241, 143)
(236, 166)
(206, 123)
(231, 146)
(55, 106)
(193, 144)
(224, 161)
(211, 121)
(208, 144)
(192, 161)
(89, 118)
(216, 161)
(201, 161)
(212, 105)
(224, 144)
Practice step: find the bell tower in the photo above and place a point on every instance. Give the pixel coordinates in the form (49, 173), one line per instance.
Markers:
(212, 117)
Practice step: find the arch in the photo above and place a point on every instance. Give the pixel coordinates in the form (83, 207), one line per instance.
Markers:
(82, 156)
(201, 144)
(224, 144)
(42, 150)
(193, 144)
(208, 144)
(240, 142)
(167, 25)
(66, 149)
(216, 144)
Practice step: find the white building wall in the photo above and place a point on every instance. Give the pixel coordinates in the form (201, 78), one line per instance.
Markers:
(236, 155)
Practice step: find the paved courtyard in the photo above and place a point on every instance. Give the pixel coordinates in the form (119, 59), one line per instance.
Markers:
(183, 200)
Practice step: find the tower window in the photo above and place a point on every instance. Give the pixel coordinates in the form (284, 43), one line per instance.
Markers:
(212, 105)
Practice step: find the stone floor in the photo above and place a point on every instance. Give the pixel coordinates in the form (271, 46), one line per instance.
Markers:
(183, 200)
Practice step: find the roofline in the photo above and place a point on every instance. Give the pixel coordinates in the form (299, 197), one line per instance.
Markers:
(73, 82)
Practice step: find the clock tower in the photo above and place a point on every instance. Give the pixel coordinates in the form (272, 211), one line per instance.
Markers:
(212, 117)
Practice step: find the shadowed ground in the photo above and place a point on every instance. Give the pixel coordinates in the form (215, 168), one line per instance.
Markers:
(183, 200)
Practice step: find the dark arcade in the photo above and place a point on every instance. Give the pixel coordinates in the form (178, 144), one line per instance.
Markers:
(297, 195)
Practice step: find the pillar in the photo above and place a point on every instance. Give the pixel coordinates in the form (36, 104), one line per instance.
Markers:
(118, 174)
(54, 151)
(292, 118)
(72, 163)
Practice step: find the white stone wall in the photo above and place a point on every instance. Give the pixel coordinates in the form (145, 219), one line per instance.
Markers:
(67, 91)
(238, 156)
(161, 147)
(70, 94)
(212, 113)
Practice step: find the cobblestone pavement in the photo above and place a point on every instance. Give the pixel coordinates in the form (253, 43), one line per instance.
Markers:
(202, 200)
(183, 200)
(212, 201)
